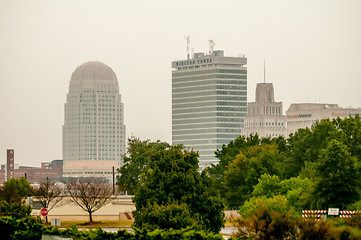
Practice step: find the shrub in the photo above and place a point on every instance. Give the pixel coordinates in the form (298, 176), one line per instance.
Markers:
(267, 224)
(14, 209)
(310, 229)
(26, 228)
(277, 203)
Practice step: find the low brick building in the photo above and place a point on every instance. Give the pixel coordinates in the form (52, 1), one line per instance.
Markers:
(53, 169)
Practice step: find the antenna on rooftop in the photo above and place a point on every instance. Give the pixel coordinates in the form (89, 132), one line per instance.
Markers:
(264, 70)
(188, 44)
(211, 46)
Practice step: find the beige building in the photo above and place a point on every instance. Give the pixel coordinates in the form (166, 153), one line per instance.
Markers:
(302, 115)
(264, 116)
(93, 130)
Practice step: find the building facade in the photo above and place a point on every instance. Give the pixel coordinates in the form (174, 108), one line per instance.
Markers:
(94, 130)
(209, 101)
(264, 116)
(302, 115)
(33, 175)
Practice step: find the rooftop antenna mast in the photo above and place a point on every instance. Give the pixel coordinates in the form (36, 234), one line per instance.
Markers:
(188, 44)
(211, 46)
(264, 70)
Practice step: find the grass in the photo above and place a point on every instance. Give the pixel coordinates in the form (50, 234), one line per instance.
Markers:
(102, 224)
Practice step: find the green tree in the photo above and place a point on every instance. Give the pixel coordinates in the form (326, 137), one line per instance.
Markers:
(136, 161)
(351, 126)
(294, 190)
(229, 153)
(226, 155)
(13, 194)
(267, 186)
(336, 180)
(172, 187)
(243, 173)
(305, 146)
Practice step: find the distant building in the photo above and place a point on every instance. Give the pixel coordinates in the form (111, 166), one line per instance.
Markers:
(209, 101)
(51, 169)
(94, 130)
(302, 115)
(264, 116)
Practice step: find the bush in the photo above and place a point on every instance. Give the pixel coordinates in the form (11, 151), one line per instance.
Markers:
(15, 209)
(171, 234)
(171, 216)
(267, 224)
(33, 228)
(277, 203)
(310, 229)
(26, 228)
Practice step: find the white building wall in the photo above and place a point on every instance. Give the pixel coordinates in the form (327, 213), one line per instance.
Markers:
(302, 115)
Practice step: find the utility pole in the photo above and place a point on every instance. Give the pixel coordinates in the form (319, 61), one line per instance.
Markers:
(113, 181)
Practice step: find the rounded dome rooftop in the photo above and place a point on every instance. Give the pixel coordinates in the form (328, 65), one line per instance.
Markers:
(93, 71)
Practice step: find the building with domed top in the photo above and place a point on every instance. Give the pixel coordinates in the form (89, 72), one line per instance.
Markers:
(93, 130)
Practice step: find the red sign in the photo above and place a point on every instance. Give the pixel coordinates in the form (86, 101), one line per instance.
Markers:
(44, 212)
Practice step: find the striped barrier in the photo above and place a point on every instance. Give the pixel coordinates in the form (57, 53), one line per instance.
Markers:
(314, 211)
(348, 214)
(313, 214)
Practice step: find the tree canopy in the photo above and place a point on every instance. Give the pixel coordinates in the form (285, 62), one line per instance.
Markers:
(136, 161)
(317, 167)
(173, 194)
(12, 195)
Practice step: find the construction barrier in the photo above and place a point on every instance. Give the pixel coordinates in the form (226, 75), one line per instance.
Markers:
(313, 214)
(348, 214)
(316, 214)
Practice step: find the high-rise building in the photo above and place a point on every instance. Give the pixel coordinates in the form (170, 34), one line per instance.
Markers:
(94, 130)
(209, 101)
(265, 116)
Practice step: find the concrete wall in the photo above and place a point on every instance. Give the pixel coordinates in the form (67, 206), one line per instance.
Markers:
(120, 208)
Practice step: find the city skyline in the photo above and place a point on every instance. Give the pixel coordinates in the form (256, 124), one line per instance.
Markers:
(311, 49)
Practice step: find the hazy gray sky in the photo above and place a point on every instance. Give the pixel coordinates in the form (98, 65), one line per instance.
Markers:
(312, 50)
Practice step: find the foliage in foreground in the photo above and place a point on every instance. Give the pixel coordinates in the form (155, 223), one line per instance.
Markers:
(33, 228)
(269, 224)
(12, 198)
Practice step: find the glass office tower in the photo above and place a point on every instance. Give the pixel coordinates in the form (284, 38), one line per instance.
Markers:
(209, 101)
(94, 130)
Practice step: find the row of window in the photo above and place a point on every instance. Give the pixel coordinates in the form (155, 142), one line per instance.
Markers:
(210, 131)
(209, 92)
(212, 70)
(209, 78)
(88, 173)
(198, 99)
(267, 110)
(267, 123)
(176, 85)
(222, 102)
(208, 87)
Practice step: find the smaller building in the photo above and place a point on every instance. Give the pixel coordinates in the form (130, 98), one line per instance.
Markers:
(264, 116)
(302, 115)
(53, 169)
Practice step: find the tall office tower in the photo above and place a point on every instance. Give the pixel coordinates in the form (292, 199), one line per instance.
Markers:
(265, 116)
(209, 99)
(93, 131)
